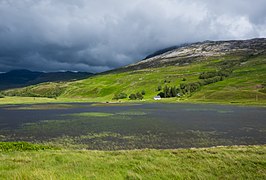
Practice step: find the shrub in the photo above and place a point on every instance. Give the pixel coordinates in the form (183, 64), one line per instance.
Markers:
(159, 88)
(190, 87)
(1, 95)
(224, 73)
(212, 80)
(207, 75)
(143, 92)
(132, 97)
(212, 74)
(139, 96)
(173, 91)
(178, 90)
(169, 92)
(184, 88)
(120, 96)
(161, 94)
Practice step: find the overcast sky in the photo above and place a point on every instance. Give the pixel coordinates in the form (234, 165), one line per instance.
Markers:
(98, 35)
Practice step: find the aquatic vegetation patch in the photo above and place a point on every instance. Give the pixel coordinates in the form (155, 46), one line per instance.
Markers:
(132, 113)
(210, 110)
(114, 104)
(93, 114)
(42, 107)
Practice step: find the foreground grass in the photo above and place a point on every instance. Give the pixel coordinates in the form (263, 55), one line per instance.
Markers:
(238, 162)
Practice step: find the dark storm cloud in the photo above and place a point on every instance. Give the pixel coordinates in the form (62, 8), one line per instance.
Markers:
(91, 35)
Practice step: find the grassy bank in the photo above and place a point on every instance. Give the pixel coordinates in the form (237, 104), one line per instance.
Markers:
(238, 162)
(39, 100)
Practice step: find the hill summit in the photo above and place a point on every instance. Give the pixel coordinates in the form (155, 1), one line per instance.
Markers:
(188, 53)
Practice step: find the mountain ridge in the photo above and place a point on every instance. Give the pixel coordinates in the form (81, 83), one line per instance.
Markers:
(199, 50)
(23, 77)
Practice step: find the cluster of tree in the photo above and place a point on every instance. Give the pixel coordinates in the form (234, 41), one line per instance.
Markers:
(169, 92)
(211, 80)
(206, 78)
(187, 88)
(120, 96)
(190, 87)
(138, 95)
(211, 74)
(195, 86)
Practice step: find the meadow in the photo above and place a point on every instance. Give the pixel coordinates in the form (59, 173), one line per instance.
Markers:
(235, 162)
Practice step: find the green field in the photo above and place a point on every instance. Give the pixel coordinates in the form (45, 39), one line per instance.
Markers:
(236, 162)
(245, 85)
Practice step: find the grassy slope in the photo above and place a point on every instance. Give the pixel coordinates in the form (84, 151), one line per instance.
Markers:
(239, 87)
(244, 162)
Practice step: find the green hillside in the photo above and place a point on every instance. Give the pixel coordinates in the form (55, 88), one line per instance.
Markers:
(245, 82)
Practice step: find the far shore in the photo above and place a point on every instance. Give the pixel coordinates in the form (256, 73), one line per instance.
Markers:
(39, 100)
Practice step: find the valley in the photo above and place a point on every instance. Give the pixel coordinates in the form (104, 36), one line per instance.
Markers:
(208, 123)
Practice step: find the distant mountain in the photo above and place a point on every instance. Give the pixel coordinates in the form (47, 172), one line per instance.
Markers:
(23, 77)
(188, 53)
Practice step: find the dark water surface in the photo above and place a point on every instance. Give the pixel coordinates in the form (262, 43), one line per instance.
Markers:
(129, 126)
